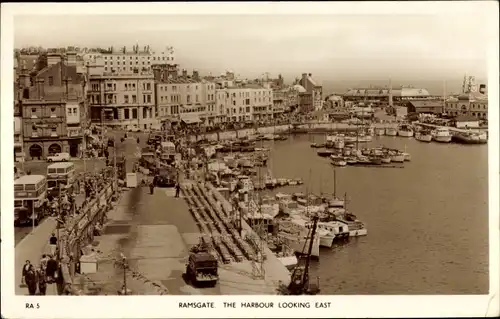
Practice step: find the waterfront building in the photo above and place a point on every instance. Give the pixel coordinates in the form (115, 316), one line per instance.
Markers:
(425, 106)
(379, 96)
(473, 104)
(335, 108)
(51, 104)
(466, 122)
(245, 102)
(123, 100)
(185, 98)
(123, 60)
(279, 102)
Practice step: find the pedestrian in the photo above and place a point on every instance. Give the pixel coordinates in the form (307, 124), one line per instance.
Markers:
(177, 189)
(42, 281)
(43, 262)
(26, 268)
(53, 244)
(31, 280)
(51, 269)
(151, 187)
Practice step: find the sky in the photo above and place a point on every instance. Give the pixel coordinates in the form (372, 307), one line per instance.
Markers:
(342, 49)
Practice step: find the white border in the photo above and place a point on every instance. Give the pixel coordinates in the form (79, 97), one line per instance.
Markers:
(161, 306)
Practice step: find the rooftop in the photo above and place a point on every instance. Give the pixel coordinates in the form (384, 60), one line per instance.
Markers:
(466, 118)
(426, 103)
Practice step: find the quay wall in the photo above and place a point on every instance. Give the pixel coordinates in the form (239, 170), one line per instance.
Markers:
(79, 232)
(281, 129)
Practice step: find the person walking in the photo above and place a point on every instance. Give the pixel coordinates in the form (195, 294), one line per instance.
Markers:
(26, 268)
(51, 269)
(177, 189)
(31, 280)
(151, 187)
(42, 281)
(43, 262)
(53, 244)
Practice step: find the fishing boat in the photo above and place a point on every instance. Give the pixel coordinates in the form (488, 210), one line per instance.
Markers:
(379, 131)
(318, 145)
(325, 153)
(406, 155)
(441, 135)
(423, 136)
(391, 131)
(396, 156)
(332, 231)
(468, 138)
(405, 131)
(337, 161)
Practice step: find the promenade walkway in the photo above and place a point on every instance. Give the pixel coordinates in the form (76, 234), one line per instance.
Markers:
(31, 248)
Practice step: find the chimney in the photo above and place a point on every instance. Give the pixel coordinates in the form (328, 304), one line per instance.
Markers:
(71, 58)
(482, 88)
(156, 74)
(196, 76)
(40, 88)
(184, 73)
(24, 78)
(310, 74)
(53, 58)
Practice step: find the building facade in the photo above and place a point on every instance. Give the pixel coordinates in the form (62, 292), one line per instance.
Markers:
(123, 99)
(314, 93)
(472, 104)
(52, 107)
(123, 60)
(245, 103)
(380, 95)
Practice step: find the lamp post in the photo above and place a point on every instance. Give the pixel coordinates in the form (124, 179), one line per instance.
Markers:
(124, 264)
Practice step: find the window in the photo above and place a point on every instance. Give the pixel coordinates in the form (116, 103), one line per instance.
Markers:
(149, 98)
(188, 99)
(52, 110)
(148, 86)
(144, 113)
(126, 114)
(196, 98)
(161, 98)
(126, 99)
(234, 102)
(74, 110)
(134, 99)
(134, 113)
(51, 80)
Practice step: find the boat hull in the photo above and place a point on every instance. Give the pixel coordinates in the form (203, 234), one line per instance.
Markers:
(423, 138)
(397, 158)
(442, 139)
(391, 132)
(301, 245)
(326, 241)
(405, 133)
(467, 140)
(358, 232)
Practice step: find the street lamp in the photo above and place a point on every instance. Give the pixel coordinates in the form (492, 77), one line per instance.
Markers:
(124, 264)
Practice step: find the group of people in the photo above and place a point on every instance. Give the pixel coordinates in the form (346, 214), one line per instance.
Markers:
(47, 272)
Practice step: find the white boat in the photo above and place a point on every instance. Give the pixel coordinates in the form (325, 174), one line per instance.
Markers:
(355, 228)
(397, 157)
(385, 159)
(364, 139)
(379, 131)
(405, 131)
(289, 261)
(423, 136)
(391, 131)
(441, 135)
(337, 161)
(483, 136)
(407, 156)
(331, 231)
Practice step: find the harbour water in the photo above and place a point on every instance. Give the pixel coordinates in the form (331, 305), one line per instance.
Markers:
(427, 222)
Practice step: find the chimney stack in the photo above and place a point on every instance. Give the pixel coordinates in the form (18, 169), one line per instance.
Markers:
(71, 58)
(24, 78)
(482, 88)
(184, 73)
(40, 88)
(156, 73)
(196, 76)
(53, 58)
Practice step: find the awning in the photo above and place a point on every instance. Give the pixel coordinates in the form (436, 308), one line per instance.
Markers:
(190, 118)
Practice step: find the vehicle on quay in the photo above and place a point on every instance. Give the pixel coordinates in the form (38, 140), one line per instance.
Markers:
(30, 191)
(202, 267)
(167, 152)
(148, 160)
(441, 135)
(59, 157)
(60, 176)
(133, 129)
(166, 177)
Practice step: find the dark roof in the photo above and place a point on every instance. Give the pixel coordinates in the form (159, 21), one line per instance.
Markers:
(426, 103)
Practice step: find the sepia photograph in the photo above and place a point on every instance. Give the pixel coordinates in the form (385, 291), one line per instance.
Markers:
(298, 154)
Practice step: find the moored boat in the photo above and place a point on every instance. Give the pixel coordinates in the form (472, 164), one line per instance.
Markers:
(423, 136)
(441, 135)
(405, 131)
(391, 131)
(468, 138)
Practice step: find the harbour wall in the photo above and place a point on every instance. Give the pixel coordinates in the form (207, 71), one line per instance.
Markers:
(284, 129)
(80, 232)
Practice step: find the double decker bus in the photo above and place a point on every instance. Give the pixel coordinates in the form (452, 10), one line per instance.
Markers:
(60, 176)
(30, 192)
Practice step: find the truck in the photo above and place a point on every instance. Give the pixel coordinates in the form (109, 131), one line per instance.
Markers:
(166, 177)
(202, 267)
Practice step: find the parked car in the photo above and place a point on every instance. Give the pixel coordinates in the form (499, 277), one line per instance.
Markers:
(134, 129)
(58, 157)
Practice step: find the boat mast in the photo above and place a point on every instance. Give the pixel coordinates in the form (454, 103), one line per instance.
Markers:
(334, 183)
